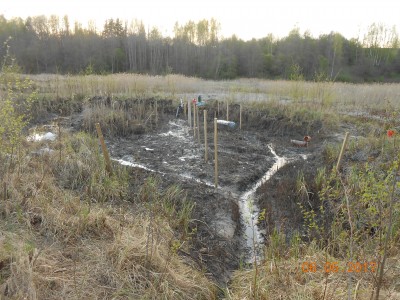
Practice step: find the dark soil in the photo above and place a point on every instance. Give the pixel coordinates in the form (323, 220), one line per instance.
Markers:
(170, 152)
(280, 196)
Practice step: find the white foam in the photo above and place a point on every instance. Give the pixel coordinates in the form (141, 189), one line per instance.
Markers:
(48, 136)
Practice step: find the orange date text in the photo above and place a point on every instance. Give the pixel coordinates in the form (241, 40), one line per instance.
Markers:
(335, 267)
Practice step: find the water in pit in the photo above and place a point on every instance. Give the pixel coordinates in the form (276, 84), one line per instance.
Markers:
(250, 212)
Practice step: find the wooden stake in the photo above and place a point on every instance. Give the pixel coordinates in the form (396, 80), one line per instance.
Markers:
(184, 109)
(346, 137)
(240, 117)
(217, 114)
(156, 114)
(205, 137)
(194, 120)
(215, 152)
(227, 110)
(104, 148)
(198, 124)
(59, 138)
(189, 113)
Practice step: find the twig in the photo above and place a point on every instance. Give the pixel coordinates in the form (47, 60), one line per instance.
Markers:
(356, 289)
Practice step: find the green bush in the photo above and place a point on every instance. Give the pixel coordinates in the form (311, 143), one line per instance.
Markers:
(16, 96)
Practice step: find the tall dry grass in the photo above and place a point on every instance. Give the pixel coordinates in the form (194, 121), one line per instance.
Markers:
(70, 231)
(322, 94)
(281, 276)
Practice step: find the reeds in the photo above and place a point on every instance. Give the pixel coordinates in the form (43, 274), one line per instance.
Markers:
(322, 94)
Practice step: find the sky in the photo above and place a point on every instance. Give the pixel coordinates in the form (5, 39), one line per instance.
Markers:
(246, 19)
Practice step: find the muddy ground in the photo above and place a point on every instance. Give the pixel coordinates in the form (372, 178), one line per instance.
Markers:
(170, 152)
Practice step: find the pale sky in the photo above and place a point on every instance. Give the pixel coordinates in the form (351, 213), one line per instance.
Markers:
(245, 18)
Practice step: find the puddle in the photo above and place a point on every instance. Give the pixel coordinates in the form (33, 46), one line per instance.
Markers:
(250, 211)
(180, 131)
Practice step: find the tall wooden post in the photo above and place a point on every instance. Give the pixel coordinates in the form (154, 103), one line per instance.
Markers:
(104, 148)
(215, 152)
(156, 114)
(240, 117)
(198, 124)
(346, 137)
(205, 137)
(194, 120)
(189, 113)
(227, 110)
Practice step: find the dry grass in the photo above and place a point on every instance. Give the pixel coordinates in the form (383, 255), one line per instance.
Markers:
(283, 278)
(322, 94)
(301, 103)
(68, 231)
(123, 117)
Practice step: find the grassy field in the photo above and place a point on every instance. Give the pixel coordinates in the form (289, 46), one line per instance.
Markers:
(68, 230)
(324, 94)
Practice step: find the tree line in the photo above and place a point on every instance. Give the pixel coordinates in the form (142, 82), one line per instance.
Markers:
(43, 44)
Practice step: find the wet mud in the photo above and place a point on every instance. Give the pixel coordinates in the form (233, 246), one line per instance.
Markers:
(227, 228)
(223, 239)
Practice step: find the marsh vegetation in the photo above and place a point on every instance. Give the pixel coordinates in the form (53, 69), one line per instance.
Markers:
(69, 230)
